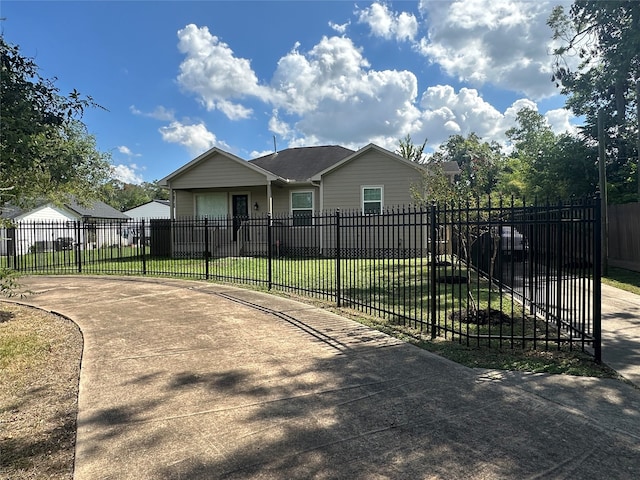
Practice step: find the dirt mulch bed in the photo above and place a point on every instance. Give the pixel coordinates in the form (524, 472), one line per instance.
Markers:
(40, 357)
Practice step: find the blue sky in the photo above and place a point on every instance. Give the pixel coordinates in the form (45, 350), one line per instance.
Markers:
(178, 78)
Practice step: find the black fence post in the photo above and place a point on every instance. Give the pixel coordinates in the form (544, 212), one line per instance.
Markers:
(596, 301)
(142, 245)
(433, 264)
(532, 254)
(78, 246)
(269, 252)
(338, 273)
(14, 247)
(207, 253)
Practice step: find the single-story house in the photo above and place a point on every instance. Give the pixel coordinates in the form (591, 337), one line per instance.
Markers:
(148, 212)
(295, 183)
(152, 209)
(55, 227)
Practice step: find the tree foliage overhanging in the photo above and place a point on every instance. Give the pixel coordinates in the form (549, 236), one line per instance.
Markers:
(45, 149)
(597, 66)
(542, 165)
(604, 39)
(407, 149)
(124, 196)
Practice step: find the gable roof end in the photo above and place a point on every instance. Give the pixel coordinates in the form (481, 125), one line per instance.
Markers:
(164, 182)
(318, 176)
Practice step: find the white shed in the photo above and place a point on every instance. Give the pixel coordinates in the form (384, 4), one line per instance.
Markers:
(47, 226)
(152, 209)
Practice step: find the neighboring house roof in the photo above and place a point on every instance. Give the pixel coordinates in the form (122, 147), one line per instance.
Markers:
(153, 209)
(300, 164)
(155, 200)
(95, 209)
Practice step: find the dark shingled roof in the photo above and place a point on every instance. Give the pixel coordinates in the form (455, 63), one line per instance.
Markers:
(96, 209)
(300, 164)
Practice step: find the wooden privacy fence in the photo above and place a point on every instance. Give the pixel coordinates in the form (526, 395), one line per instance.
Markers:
(624, 236)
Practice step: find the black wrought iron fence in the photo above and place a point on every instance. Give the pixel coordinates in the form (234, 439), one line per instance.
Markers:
(500, 275)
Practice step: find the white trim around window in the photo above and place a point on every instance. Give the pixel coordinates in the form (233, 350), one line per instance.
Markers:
(372, 199)
(211, 204)
(301, 203)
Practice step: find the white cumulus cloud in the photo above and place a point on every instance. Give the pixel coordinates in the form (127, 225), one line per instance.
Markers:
(331, 94)
(505, 43)
(327, 71)
(123, 149)
(560, 121)
(195, 137)
(126, 173)
(446, 112)
(214, 74)
(340, 28)
(158, 113)
(387, 24)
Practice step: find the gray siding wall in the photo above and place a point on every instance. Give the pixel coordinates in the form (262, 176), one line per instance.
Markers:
(218, 171)
(184, 204)
(342, 187)
(282, 198)
(370, 236)
(185, 200)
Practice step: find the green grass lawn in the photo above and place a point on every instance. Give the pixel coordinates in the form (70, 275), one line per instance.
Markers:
(400, 289)
(392, 294)
(624, 279)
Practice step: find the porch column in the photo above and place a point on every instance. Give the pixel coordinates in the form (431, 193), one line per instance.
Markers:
(171, 204)
(269, 198)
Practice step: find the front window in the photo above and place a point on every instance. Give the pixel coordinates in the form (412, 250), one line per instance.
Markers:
(302, 208)
(211, 205)
(372, 200)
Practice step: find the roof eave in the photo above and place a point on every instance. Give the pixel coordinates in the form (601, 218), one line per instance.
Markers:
(165, 182)
(372, 146)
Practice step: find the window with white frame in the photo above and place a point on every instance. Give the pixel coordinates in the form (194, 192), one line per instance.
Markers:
(372, 199)
(302, 208)
(211, 205)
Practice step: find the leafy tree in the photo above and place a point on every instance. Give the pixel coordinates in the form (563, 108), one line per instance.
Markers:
(435, 187)
(480, 163)
(124, 196)
(573, 167)
(546, 165)
(155, 191)
(45, 151)
(605, 36)
(410, 151)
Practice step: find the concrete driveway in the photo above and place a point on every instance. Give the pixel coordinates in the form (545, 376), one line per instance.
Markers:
(190, 380)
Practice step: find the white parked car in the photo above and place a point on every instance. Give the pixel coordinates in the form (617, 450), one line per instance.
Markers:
(512, 242)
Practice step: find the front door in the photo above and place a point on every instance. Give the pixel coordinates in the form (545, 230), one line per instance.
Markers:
(240, 212)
